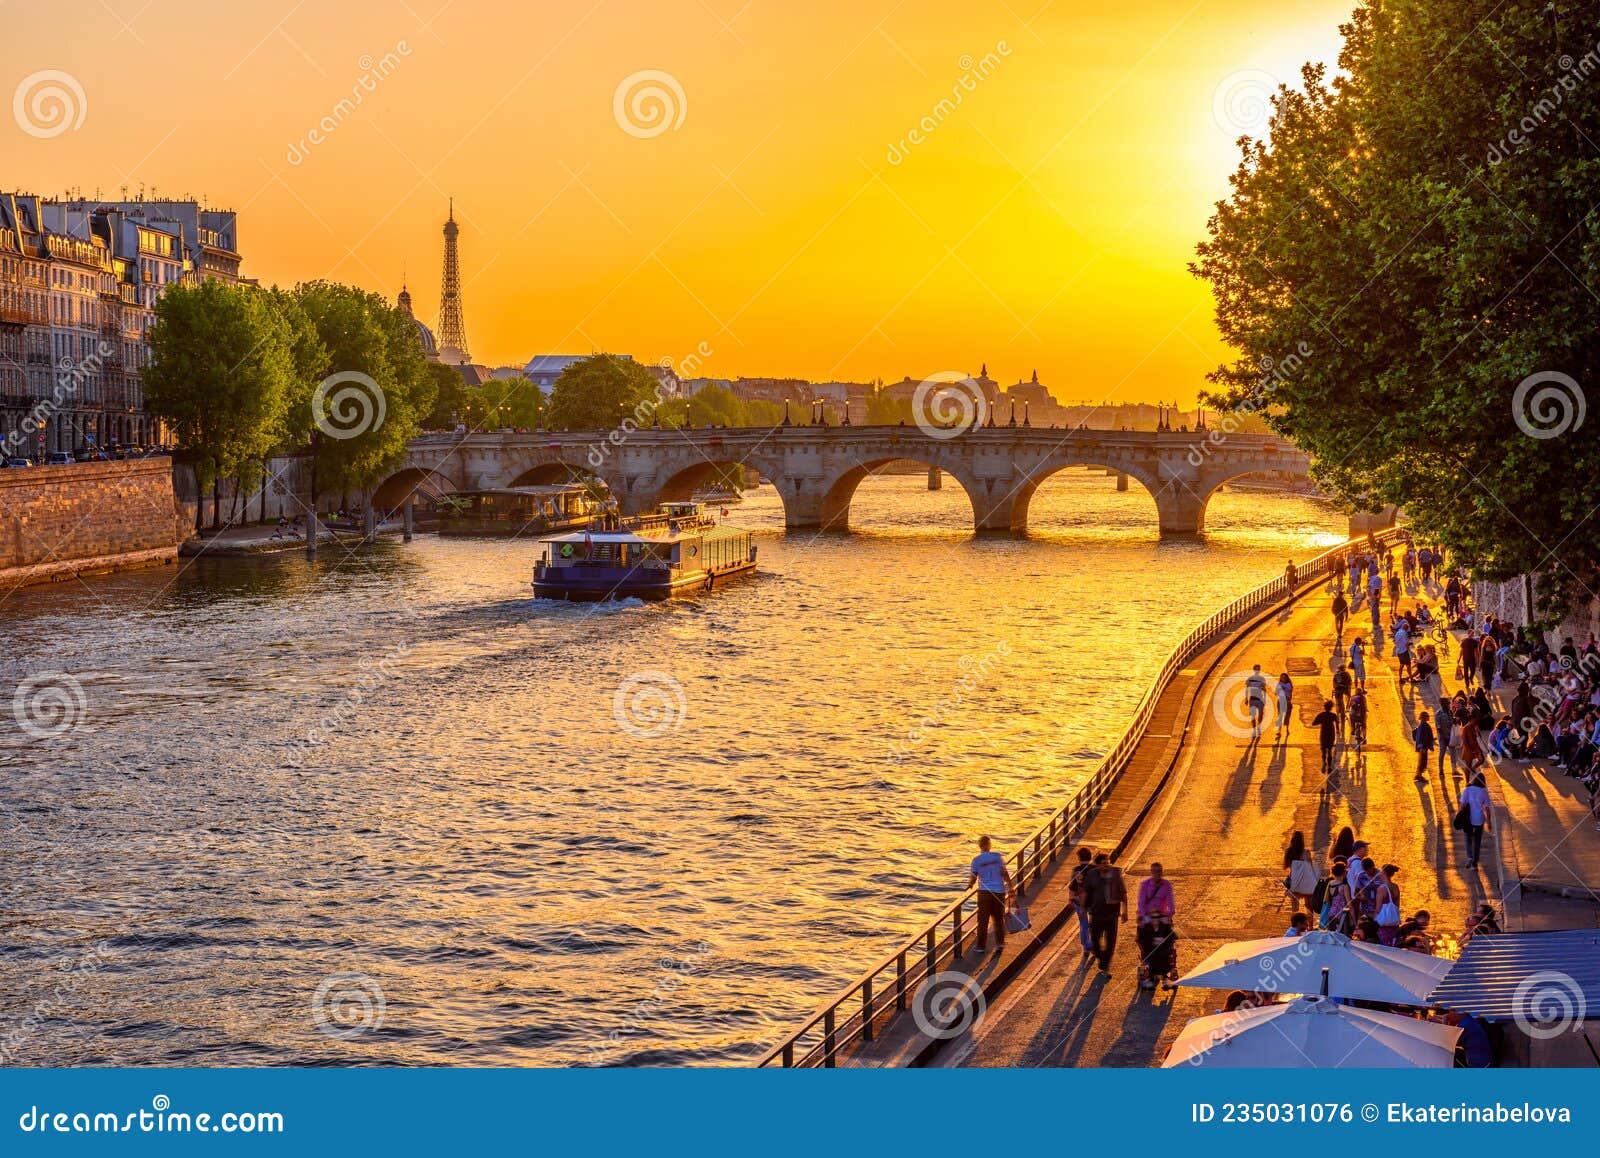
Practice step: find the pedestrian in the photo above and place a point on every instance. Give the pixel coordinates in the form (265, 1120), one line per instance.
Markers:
(1342, 685)
(1471, 745)
(1469, 659)
(1256, 696)
(1285, 693)
(1387, 902)
(1157, 908)
(1358, 662)
(1328, 726)
(1444, 727)
(1108, 905)
(1341, 612)
(1343, 845)
(989, 873)
(1300, 875)
(1422, 737)
(1080, 901)
(1475, 817)
(1338, 912)
(1299, 925)
(1358, 720)
(1394, 593)
(1291, 576)
(1402, 649)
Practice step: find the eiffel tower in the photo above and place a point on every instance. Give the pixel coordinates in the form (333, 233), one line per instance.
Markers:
(452, 326)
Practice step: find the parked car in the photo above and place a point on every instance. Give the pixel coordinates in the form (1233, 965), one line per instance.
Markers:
(58, 458)
(18, 460)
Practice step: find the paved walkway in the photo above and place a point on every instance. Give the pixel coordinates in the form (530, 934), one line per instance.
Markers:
(1220, 829)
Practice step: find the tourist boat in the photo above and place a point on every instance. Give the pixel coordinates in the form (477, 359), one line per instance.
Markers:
(717, 497)
(679, 550)
(512, 511)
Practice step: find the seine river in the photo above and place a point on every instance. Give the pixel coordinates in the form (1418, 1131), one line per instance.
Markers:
(388, 810)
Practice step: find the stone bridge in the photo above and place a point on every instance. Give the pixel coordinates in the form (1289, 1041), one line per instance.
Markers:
(816, 469)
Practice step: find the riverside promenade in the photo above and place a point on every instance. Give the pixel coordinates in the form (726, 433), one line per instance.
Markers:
(1216, 807)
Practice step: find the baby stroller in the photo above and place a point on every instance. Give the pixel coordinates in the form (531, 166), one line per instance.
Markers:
(1158, 954)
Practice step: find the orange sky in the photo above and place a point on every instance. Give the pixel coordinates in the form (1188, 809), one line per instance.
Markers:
(1043, 223)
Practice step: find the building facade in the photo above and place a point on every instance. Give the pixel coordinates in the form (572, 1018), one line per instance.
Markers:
(79, 280)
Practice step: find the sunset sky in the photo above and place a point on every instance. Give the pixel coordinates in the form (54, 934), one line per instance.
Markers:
(1043, 223)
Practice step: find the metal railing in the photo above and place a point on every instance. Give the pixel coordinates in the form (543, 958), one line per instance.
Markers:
(888, 988)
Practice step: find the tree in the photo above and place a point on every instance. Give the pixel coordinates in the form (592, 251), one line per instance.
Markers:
(454, 400)
(514, 402)
(1408, 268)
(599, 392)
(373, 390)
(221, 373)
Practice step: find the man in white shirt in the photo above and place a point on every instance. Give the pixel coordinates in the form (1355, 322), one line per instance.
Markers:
(1256, 696)
(989, 873)
(1356, 874)
(1402, 650)
(1480, 817)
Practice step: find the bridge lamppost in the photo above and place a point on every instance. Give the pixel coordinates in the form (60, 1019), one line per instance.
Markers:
(1013, 420)
(1025, 412)
(786, 412)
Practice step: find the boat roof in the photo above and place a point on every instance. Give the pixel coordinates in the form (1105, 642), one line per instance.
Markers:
(664, 536)
(539, 491)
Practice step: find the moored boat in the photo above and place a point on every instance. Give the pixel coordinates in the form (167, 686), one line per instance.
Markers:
(679, 550)
(512, 511)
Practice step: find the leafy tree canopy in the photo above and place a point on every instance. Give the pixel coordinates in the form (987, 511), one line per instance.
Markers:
(599, 392)
(1408, 268)
(222, 372)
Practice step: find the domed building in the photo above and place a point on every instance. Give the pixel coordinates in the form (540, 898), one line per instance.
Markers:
(430, 347)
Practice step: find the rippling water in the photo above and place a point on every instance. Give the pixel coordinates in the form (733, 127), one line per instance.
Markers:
(389, 810)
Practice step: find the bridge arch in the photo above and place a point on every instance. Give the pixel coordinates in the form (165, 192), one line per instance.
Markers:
(1161, 493)
(833, 497)
(551, 473)
(414, 485)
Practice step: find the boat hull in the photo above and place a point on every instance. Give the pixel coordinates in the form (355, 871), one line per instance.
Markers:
(631, 583)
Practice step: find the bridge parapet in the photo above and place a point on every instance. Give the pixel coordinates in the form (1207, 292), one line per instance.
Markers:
(816, 469)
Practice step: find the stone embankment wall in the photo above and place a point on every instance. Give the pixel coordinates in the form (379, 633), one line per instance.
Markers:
(1511, 601)
(60, 521)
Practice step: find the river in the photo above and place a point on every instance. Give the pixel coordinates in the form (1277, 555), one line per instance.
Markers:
(386, 809)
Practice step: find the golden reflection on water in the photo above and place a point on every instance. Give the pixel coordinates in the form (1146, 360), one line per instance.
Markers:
(398, 767)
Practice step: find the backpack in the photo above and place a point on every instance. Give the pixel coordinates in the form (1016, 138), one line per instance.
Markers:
(1319, 896)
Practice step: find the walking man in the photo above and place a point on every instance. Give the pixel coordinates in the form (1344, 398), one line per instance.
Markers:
(1358, 662)
(989, 873)
(1422, 737)
(1080, 900)
(1327, 724)
(1402, 651)
(1341, 611)
(1342, 686)
(1480, 817)
(1444, 725)
(1108, 905)
(1256, 696)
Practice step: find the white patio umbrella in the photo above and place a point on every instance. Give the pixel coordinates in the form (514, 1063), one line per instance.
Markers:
(1313, 1033)
(1356, 969)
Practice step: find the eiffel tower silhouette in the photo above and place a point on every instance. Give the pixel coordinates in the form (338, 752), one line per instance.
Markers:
(452, 326)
